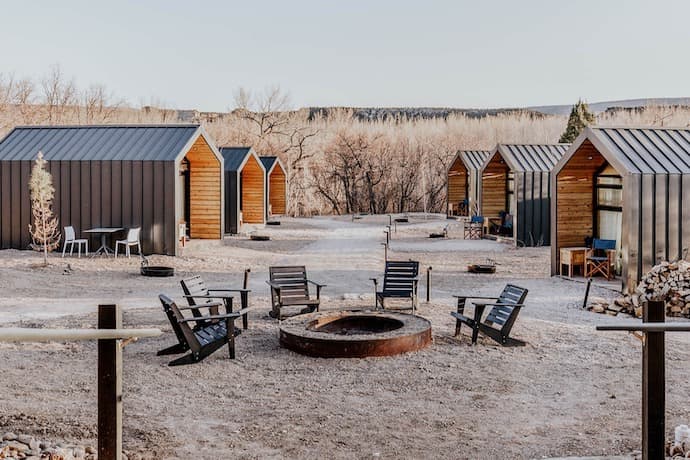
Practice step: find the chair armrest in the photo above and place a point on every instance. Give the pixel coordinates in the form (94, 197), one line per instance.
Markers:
(317, 284)
(206, 318)
(203, 305)
(500, 304)
(472, 297)
(375, 280)
(273, 285)
(229, 290)
(207, 296)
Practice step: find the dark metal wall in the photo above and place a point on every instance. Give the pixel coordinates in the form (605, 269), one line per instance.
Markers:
(656, 222)
(532, 224)
(95, 194)
(231, 200)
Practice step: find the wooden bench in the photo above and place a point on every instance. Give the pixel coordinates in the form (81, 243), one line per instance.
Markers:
(202, 341)
(400, 280)
(504, 312)
(195, 289)
(290, 287)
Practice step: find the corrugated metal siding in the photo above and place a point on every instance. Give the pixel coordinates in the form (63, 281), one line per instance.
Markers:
(94, 143)
(234, 156)
(473, 159)
(648, 150)
(268, 162)
(532, 157)
(95, 194)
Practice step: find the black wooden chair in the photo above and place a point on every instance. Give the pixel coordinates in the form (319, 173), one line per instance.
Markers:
(290, 287)
(600, 258)
(195, 290)
(499, 322)
(202, 341)
(400, 280)
(473, 228)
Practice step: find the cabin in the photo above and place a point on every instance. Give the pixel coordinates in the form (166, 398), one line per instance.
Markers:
(245, 189)
(629, 184)
(156, 177)
(463, 181)
(514, 192)
(276, 186)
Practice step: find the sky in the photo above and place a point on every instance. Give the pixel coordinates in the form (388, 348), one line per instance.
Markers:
(469, 54)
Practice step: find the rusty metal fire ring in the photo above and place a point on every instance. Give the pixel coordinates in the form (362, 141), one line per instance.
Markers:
(355, 334)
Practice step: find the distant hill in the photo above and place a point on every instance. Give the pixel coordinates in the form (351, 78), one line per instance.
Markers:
(598, 107)
(386, 113)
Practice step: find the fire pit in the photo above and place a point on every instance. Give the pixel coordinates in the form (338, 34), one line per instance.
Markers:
(157, 271)
(355, 334)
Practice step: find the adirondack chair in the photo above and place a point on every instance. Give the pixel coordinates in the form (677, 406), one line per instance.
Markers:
(400, 281)
(290, 287)
(200, 341)
(601, 258)
(473, 228)
(195, 290)
(499, 321)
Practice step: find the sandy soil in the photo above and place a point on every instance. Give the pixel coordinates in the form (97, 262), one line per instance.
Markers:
(570, 391)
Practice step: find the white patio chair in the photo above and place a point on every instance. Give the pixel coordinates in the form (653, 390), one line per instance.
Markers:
(71, 239)
(132, 240)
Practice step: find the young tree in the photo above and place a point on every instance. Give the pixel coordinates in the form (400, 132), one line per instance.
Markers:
(580, 117)
(45, 231)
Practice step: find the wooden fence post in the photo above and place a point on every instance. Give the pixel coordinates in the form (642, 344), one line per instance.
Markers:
(109, 386)
(653, 384)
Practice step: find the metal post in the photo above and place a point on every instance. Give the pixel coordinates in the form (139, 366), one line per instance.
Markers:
(428, 284)
(653, 384)
(385, 252)
(389, 231)
(244, 297)
(388, 239)
(390, 220)
(109, 386)
(589, 283)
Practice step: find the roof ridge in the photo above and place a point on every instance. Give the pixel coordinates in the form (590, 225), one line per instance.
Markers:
(640, 127)
(124, 125)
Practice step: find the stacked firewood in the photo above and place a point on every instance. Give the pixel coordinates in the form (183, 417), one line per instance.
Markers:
(668, 281)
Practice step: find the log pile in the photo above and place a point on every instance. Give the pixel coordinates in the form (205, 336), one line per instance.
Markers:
(668, 281)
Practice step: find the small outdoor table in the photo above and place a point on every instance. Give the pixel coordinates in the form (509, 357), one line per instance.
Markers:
(104, 232)
(573, 257)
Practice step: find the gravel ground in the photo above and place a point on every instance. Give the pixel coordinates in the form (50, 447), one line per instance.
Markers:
(571, 391)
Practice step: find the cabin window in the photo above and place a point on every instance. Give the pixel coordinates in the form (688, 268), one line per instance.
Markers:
(510, 193)
(609, 205)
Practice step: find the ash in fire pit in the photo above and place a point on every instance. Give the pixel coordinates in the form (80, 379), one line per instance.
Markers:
(353, 325)
(355, 334)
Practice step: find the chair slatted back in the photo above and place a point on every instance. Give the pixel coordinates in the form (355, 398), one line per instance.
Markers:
(292, 281)
(399, 277)
(182, 330)
(503, 314)
(477, 220)
(193, 286)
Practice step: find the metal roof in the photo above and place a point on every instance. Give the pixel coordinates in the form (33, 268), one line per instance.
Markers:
(641, 150)
(473, 159)
(102, 142)
(529, 157)
(234, 156)
(268, 162)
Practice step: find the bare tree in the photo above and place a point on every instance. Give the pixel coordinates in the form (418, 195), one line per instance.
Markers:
(97, 105)
(59, 94)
